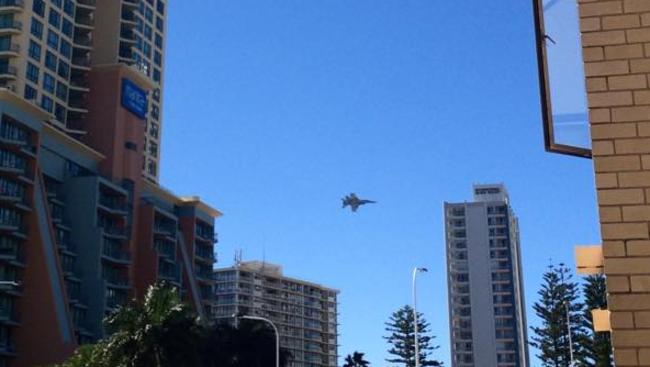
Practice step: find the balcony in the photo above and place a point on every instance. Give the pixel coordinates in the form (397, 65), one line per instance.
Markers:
(11, 253)
(203, 275)
(117, 281)
(81, 61)
(12, 49)
(164, 230)
(115, 252)
(114, 231)
(8, 72)
(113, 302)
(206, 255)
(84, 21)
(169, 272)
(166, 249)
(84, 41)
(113, 204)
(11, 6)
(10, 26)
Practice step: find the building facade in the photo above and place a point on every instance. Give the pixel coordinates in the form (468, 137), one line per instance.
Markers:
(82, 228)
(615, 36)
(486, 303)
(304, 313)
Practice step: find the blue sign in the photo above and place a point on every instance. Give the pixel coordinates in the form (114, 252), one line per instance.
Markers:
(134, 99)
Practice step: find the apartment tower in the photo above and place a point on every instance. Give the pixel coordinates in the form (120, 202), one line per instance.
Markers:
(304, 313)
(82, 228)
(486, 303)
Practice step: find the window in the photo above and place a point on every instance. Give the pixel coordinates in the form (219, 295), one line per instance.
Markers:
(153, 131)
(48, 82)
(39, 7)
(64, 70)
(159, 24)
(34, 50)
(157, 58)
(50, 61)
(32, 72)
(57, 3)
(47, 104)
(146, 49)
(62, 92)
(54, 18)
(148, 14)
(151, 168)
(156, 75)
(30, 93)
(59, 113)
(66, 49)
(67, 27)
(68, 7)
(160, 6)
(159, 41)
(52, 40)
(148, 33)
(37, 28)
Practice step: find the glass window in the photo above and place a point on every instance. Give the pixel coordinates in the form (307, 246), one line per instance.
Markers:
(66, 49)
(37, 28)
(148, 14)
(68, 7)
(57, 3)
(159, 24)
(50, 61)
(48, 82)
(159, 41)
(39, 7)
(55, 18)
(148, 33)
(157, 58)
(63, 70)
(160, 7)
(60, 113)
(147, 49)
(52, 39)
(34, 50)
(47, 103)
(62, 91)
(156, 75)
(67, 27)
(30, 93)
(32, 72)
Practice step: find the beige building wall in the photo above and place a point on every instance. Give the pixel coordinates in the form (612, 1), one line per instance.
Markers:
(616, 45)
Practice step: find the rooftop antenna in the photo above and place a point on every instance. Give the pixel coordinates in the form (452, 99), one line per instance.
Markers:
(238, 257)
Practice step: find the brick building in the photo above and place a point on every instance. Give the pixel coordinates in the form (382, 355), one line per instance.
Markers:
(615, 41)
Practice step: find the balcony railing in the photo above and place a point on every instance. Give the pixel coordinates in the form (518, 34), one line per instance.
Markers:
(8, 69)
(115, 251)
(86, 2)
(13, 47)
(112, 203)
(12, 3)
(11, 24)
(84, 20)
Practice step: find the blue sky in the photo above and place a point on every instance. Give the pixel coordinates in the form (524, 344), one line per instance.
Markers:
(276, 109)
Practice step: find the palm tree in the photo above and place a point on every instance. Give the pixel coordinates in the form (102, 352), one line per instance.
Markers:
(159, 332)
(356, 360)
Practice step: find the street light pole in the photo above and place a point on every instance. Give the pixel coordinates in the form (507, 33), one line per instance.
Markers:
(415, 315)
(275, 329)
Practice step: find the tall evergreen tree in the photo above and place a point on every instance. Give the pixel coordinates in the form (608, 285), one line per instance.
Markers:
(401, 338)
(559, 302)
(598, 346)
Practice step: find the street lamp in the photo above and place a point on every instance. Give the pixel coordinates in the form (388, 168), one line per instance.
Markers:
(275, 329)
(416, 270)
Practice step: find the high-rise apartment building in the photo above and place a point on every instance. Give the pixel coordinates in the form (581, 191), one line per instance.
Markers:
(47, 49)
(82, 229)
(486, 302)
(304, 313)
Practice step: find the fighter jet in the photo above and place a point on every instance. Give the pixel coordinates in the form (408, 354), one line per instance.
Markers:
(354, 202)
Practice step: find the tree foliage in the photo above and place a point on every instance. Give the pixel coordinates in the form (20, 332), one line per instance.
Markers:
(558, 308)
(356, 360)
(598, 346)
(163, 332)
(401, 339)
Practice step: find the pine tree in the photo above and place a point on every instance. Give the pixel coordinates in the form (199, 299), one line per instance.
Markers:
(559, 298)
(598, 346)
(401, 338)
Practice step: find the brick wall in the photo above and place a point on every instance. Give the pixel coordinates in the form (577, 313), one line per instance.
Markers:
(616, 45)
